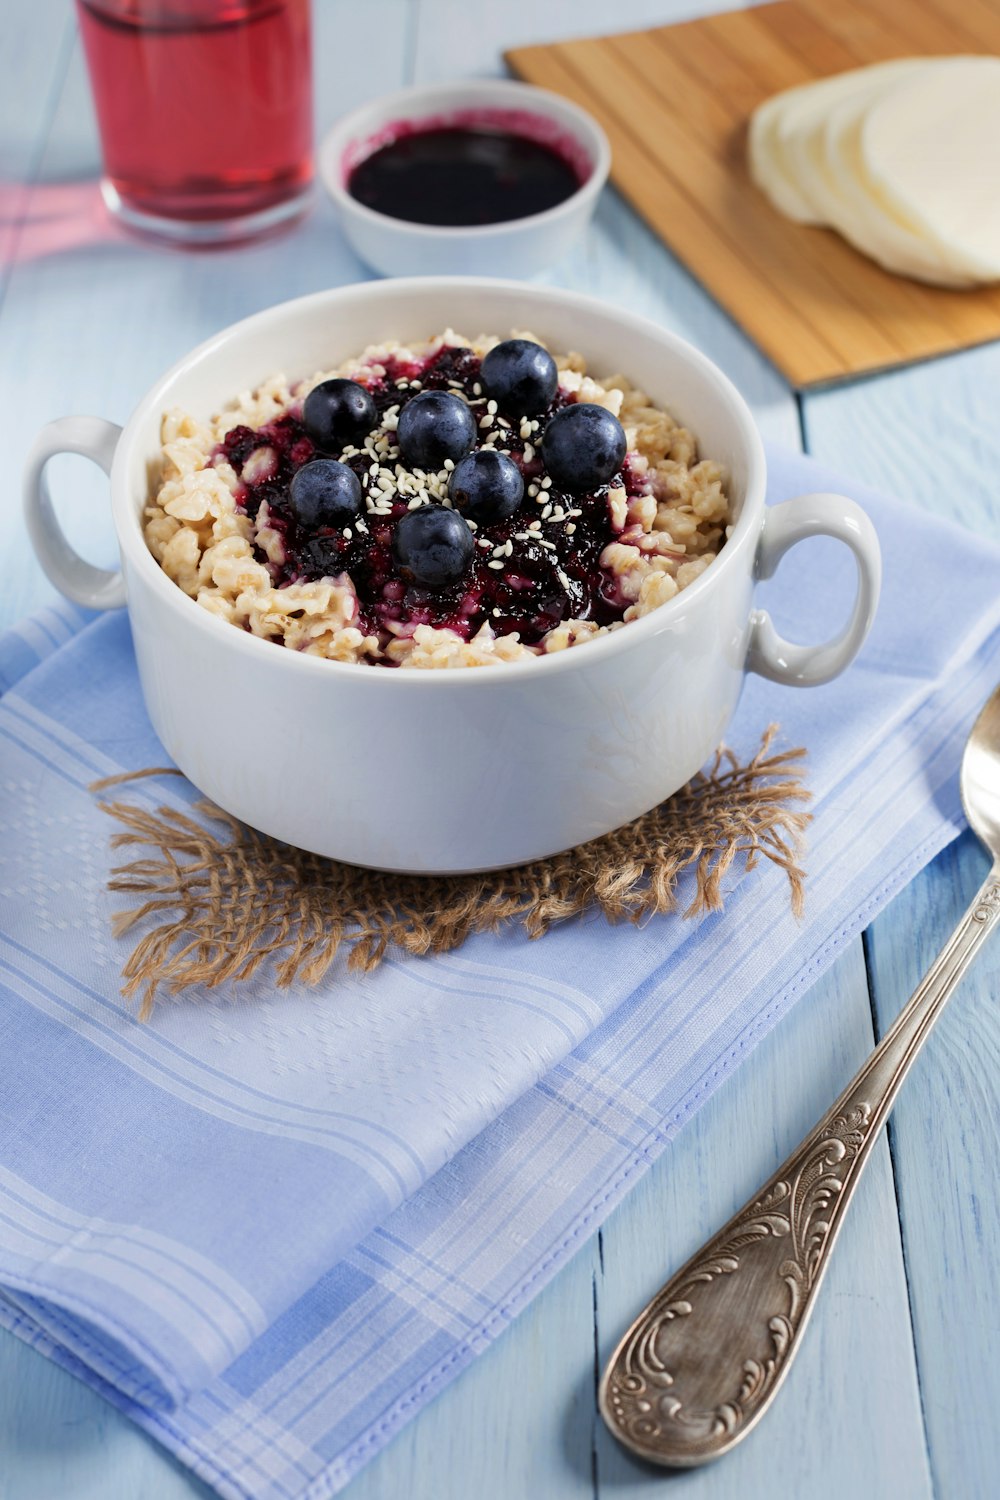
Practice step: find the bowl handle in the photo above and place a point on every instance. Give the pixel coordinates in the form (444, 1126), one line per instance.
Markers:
(769, 654)
(78, 580)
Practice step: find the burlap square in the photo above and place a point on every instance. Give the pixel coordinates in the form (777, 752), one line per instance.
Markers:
(216, 903)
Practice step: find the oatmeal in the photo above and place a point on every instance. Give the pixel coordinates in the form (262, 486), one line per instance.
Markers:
(456, 503)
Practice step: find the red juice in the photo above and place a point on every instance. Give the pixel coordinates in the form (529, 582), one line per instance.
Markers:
(205, 110)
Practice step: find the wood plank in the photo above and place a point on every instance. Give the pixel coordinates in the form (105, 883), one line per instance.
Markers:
(778, 40)
(518, 1422)
(928, 434)
(59, 1440)
(976, 23)
(722, 70)
(675, 101)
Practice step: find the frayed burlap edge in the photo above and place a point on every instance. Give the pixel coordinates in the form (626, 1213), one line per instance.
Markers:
(225, 901)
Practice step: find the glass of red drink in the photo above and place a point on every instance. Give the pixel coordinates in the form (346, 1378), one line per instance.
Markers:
(205, 112)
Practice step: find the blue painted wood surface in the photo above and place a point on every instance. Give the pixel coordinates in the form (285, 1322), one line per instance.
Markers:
(897, 1386)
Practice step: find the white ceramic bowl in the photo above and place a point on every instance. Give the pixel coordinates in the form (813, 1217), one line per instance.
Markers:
(467, 768)
(517, 247)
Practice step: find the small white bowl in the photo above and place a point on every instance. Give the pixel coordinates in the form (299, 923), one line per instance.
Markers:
(513, 247)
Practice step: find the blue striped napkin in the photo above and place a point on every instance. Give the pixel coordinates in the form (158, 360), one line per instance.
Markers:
(271, 1227)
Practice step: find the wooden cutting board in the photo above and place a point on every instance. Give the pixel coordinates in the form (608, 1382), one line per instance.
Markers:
(675, 102)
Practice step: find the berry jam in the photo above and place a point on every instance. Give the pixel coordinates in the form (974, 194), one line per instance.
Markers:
(546, 557)
(462, 175)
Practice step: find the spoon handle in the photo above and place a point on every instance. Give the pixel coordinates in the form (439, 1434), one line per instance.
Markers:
(702, 1362)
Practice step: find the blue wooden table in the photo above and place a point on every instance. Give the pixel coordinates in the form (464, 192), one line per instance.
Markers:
(898, 1385)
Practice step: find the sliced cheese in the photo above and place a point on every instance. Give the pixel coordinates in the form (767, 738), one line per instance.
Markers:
(775, 163)
(931, 149)
(902, 158)
(766, 169)
(860, 213)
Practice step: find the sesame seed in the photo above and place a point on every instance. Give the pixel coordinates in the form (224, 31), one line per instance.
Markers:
(496, 614)
(416, 502)
(492, 408)
(477, 389)
(532, 490)
(508, 547)
(485, 543)
(493, 563)
(347, 533)
(563, 579)
(529, 451)
(415, 385)
(547, 513)
(449, 464)
(546, 483)
(486, 421)
(570, 528)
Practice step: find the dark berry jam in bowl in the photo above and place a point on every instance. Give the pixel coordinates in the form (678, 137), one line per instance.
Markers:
(481, 178)
(453, 505)
(436, 771)
(463, 172)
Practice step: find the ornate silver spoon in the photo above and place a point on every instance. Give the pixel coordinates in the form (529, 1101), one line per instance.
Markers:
(704, 1360)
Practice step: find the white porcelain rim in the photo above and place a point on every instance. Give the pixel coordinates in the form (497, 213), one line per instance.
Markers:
(589, 134)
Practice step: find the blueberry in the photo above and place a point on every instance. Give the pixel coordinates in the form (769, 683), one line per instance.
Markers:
(325, 493)
(520, 376)
(432, 546)
(486, 486)
(583, 446)
(337, 413)
(433, 426)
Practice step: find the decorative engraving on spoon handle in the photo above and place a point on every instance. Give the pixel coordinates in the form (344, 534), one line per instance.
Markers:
(702, 1362)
